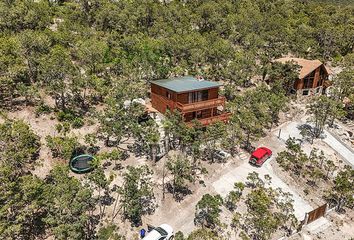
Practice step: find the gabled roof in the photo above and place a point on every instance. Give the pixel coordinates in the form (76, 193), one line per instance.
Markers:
(307, 66)
(185, 84)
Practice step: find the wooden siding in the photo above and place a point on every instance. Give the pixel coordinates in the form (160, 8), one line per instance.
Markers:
(300, 83)
(207, 108)
(161, 103)
(163, 92)
(316, 213)
(201, 105)
(317, 77)
(213, 93)
(182, 98)
(206, 113)
(224, 117)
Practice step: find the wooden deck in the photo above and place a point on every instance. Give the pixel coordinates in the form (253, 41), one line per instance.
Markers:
(224, 117)
(198, 106)
(188, 108)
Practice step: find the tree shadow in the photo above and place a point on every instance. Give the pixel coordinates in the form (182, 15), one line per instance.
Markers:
(308, 133)
(107, 199)
(178, 194)
(93, 150)
(137, 149)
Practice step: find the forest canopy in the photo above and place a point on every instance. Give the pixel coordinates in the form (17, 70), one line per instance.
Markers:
(71, 46)
(81, 61)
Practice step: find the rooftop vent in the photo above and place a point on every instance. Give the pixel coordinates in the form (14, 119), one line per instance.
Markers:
(200, 78)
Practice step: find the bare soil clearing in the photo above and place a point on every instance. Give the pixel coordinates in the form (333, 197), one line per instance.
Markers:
(220, 178)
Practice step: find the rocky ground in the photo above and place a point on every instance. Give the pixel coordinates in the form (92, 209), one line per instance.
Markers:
(220, 179)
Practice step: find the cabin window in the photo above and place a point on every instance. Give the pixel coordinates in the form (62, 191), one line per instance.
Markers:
(323, 74)
(305, 92)
(168, 94)
(320, 81)
(205, 95)
(323, 77)
(193, 97)
(308, 81)
(198, 96)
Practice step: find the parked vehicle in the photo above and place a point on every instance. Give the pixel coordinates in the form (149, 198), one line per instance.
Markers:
(221, 155)
(259, 156)
(163, 232)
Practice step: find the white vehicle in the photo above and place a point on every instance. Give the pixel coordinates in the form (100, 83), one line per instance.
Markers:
(163, 232)
(221, 155)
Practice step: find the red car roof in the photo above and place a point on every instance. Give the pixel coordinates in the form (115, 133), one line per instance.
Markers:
(260, 152)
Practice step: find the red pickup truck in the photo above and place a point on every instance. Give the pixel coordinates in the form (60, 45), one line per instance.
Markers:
(259, 156)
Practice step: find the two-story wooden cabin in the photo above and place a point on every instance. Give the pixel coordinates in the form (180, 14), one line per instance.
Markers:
(195, 98)
(313, 76)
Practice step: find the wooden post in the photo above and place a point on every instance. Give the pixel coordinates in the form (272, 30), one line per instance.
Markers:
(306, 218)
(326, 210)
(279, 133)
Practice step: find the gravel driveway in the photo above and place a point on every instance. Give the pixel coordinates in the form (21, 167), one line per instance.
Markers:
(225, 184)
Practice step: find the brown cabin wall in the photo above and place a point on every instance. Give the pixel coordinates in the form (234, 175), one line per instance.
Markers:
(213, 93)
(182, 98)
(162, 103)
(317, 77)
(163, 92)
(299, 84)
(206, 113)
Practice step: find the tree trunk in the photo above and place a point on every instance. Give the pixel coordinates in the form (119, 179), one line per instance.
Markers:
(62, 97)
(153, 153)
(163, 182)
(167, 143)
(114, 214)
(340, 204)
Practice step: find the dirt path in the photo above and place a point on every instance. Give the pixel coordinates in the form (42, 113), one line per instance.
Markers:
(225, 184)
(43, 126)
(180, 215)
(292, 130)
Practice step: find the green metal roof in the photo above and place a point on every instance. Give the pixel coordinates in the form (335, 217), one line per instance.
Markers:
(185, 84)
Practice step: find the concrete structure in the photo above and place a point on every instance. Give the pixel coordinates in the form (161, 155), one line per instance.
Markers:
(313, 76)
(195, 98)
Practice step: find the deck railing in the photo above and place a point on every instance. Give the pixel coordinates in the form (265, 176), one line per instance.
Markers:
(197, 106)
(164, 100)
(224, 117)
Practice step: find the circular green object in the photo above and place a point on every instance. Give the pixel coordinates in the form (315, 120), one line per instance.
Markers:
(81, 163)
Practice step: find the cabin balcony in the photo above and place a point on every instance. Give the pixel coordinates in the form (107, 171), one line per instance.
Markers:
(201, 105)
(223, 117)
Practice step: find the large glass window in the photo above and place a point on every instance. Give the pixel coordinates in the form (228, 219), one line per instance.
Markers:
(205, 95)
(323, 77)
(198, 96)
(308, 81)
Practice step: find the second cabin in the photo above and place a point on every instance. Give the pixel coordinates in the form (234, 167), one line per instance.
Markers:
(313, 76)
(195, 98)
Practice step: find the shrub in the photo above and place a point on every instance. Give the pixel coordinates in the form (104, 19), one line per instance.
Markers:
(70, 117)
(19, 145)
(42, 109)
(65, 116)
(62, 147)
(77, 122)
